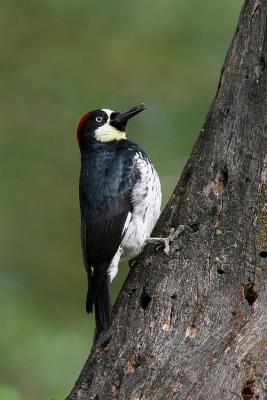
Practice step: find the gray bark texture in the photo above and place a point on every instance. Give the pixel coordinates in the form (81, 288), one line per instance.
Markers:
(192, 324)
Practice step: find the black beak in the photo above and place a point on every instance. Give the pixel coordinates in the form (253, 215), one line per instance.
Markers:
(119, 119)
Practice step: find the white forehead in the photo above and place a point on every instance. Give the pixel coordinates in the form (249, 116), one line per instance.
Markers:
(107, 111)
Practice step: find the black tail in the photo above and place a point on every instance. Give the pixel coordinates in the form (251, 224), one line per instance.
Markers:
(103, 307)
(102, 304)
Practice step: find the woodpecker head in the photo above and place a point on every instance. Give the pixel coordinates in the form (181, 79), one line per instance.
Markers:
(104, 125)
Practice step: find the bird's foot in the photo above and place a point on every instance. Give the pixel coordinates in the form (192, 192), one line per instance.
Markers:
(174, 233)
(132, 262)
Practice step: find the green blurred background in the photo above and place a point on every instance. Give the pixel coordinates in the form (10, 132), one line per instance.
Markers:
(60, 59)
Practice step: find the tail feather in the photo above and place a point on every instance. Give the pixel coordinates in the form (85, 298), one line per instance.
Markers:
(101, 299)
(103, 307)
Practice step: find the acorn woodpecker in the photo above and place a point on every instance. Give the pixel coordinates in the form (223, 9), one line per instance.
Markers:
(120, 199)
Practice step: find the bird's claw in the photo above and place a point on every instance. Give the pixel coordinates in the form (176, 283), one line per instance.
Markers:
(174, 233)
(132, 262)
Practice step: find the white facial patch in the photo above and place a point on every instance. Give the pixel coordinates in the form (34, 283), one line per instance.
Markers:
(107, 133)
(108, 112)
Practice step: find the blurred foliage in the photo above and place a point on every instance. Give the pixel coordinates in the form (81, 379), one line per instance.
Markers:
(59, 60)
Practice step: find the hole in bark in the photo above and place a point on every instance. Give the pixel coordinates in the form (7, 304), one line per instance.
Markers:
(263, 254)
(144, 299)
(221, 172)
(221, 271)
(220, 179)
(227, 110)
(250, 294)
(194, 226)
(174, 296)
(247, 393)
(132, 291)
(224, 172)
(177, 249)
(105, 343)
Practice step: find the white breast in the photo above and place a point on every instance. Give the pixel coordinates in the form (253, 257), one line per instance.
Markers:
(146, 198)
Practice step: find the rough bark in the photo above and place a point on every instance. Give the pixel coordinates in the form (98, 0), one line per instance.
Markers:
(193, 324)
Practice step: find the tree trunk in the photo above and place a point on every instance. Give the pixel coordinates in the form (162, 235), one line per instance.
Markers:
(192, 324)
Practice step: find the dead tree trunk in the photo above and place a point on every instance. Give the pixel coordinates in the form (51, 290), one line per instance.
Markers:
(192, 324)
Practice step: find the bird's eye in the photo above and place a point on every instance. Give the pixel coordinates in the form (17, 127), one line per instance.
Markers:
(99, 119)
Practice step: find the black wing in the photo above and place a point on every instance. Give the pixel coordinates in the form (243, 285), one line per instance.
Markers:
(102, 231)
(105, 204)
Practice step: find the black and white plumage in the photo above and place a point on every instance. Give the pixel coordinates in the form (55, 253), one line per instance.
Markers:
(120, 198)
